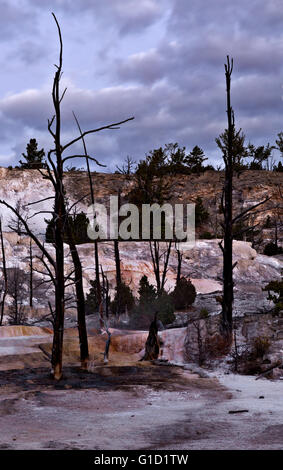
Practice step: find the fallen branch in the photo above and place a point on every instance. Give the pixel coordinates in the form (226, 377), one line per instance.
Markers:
(47, 356)
(277, 364)
(238, 411)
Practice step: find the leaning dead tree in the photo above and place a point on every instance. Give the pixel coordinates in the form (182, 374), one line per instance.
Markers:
(92, 198)
(55, 174)
(229, 143)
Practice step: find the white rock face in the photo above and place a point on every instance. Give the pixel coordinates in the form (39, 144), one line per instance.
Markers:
(203, 264)
(172, 347)
(173, 344)
(28, 186)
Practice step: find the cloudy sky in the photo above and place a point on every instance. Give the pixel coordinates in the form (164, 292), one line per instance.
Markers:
(161, 61)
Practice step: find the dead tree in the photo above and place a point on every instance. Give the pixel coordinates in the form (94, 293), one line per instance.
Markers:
(118, 274)
(226, 245)
(118, 267)
(102, 320)
(95, 243)
(179, 265)
(5, 277)
(157, 256)
(80, 298)
(14, 223)
(16, 289)
(200, 342)
(228, 294)
(30, 275)
(55, 173)
(276, 221)
(61, 217)
(105, 290)
(127, 168)
(152, 345)
(104, 326)
(16, 226)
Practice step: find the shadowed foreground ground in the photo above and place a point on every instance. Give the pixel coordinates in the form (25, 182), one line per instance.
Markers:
(137, 406)
(127, 404)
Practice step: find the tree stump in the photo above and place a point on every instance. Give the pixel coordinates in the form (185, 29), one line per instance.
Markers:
(152, 345)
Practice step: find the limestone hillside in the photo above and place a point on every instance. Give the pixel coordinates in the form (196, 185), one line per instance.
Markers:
(250, 187)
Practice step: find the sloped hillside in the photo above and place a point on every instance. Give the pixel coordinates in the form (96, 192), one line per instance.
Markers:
(250, 187)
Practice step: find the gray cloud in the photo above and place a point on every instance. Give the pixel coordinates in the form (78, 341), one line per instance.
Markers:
(159, 61)
(15, 20)
(127, 16)
(29, 52)
(145, 67)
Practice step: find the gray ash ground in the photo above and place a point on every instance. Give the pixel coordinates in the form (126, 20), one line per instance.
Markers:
(137, 407)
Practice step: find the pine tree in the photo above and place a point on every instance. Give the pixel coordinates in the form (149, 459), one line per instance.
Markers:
(201, 214)
(147, 292)
(33, 157)
(151, 184)
(152, 304)
(92, 298)
(259, 155)
(238, 149)
(279, 167)
(78, 224)
(195, 160)
(177, 158)
(123, 300)
(184, 294)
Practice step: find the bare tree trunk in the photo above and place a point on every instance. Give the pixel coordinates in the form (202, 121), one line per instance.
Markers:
(57, 348)
(80, 298)
(5, 278)
(118, 264)
(157, 266)
(96, 256)
(103, 321)
(179, 266)
(118, 275)
(30, 275)
(165, 266)
(54, 172)
(229, 221)
(104, 325)
(276, 235)
(156, 256)
(60, 220)
(152, 345)
(15, 302)
(105, 286)
(228, 293)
